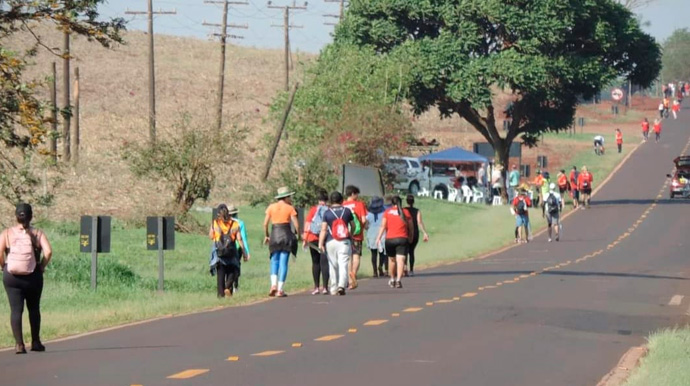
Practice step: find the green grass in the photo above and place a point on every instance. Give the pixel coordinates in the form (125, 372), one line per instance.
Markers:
(668, 361)
(128, 275)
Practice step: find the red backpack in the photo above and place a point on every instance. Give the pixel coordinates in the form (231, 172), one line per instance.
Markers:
(339, 229)
(23, 252)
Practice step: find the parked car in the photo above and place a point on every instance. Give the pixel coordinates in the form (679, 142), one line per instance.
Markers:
(681, 176)
(406, 173)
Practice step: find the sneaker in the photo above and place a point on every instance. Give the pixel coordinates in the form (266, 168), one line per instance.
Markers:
(19, 349)
(38, 347)
(398, 284)
(549, 239)
(316, 291)
(411, 273)
(227, 293)
(558, 238)
(273, 291)
(281, 294)
(341, 291)
(324, 291)
(391, 283)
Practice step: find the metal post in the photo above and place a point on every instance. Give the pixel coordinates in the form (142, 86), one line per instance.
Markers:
(160, 253)
(286, 23)
(52, 139)
(66, 153)
(94, 252)
(221, 86)
(152, 79)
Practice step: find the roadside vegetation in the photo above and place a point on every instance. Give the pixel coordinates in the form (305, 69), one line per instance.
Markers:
(668, 360)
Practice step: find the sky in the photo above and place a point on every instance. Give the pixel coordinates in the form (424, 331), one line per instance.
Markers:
(664, 17)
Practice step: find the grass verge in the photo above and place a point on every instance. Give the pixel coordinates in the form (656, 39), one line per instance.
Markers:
(128, 275)
(668, 361)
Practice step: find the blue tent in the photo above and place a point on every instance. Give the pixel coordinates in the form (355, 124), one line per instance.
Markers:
(454, 154)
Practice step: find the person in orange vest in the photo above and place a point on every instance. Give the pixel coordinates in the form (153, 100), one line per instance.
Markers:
(657, 130)
(574, 188)
(538, 182)
(645, 129)
(584, 184)
(562, 181)
(619, 140)
(667, 105)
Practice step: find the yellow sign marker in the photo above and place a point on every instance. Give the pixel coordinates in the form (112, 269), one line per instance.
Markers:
(395, 314)
(328, 338)
(297, 345)
(188, 374)
(413, 309)
(376, 322)
(233, 359)
(352, 330)
(469, 294)
(267, 353)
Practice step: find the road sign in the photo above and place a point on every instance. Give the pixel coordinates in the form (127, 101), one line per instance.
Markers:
(617, 94)
(160, 235)
(95, 238)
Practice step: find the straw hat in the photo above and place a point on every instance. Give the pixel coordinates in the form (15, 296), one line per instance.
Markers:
(232, 209)
(283, 192)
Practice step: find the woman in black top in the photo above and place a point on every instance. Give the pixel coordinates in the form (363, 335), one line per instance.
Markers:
(417, 225)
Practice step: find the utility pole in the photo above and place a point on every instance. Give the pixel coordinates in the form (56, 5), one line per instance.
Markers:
(52, 139)
(152, 70)
(340, 14)
(286, 30)
(223, 38)
(66, 154)
(76, 134)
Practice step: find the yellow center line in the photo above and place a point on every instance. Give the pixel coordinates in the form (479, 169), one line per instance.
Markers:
(469, 294)
(188, 374)
(352, 330)
(268, 353)
(328, 338)
(457, 298)
(487, 287)
(395, 314)
(297, 345)
(429, 303)
(233, 359)
(413, 309)
(376, 322)
(442, 301)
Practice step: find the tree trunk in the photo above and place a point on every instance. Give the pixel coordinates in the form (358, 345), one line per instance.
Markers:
(501, 159)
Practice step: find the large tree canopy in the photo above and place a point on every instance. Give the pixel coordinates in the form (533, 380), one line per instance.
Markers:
(544, 53)
(677, 56)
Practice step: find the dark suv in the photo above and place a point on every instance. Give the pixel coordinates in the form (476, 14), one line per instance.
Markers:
(680, 177)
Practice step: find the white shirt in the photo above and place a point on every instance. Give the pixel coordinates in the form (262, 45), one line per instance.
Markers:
(599, 138)
(546, 200)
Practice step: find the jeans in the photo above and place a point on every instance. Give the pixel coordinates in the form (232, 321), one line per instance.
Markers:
(279, 264)
(338, 260)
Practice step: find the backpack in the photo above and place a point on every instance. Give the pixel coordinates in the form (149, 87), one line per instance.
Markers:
(317, 221)
(552, 202)
(521, 207)
(226, 246)
(339, 230)
(358, 225)
(23, 252)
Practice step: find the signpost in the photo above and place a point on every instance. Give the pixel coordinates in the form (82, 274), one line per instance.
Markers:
(160, 236)
(95, 238)
(617, 95)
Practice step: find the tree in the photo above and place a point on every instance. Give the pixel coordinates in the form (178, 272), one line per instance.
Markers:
(634, 4)
(544, 53)
(677, 56)
(22, 119)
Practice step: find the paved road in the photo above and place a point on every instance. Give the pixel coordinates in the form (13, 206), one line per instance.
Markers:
(539, 314)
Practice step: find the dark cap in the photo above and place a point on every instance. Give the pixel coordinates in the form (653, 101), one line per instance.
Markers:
(24, 210)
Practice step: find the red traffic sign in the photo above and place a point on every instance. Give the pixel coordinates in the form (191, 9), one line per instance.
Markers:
(617, 94)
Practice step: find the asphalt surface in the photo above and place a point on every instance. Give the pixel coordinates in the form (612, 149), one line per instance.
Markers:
(537, 314)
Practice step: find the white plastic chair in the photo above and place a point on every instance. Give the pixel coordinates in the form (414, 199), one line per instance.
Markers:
(467, 194)
(423, 192)
(477, 196)
(438, 194)
(498, 200)
(452, 194)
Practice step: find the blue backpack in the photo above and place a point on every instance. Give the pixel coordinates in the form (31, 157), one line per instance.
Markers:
(317, 221)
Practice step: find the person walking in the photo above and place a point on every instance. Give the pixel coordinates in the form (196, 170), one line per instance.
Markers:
(661, 110)
(554, 206)
(282, 240)
(584, 184)
(667, 105)
(242, 248)
(574, 187)
(520, 207)
(657, 130)
(225, 254)
(675, 108)
(312, 229)
(538, 182)
(562, 181)
(379, 261)
(513, 182)
(417, 225)
(544, 192)
(335, 240)
(645, 129)
(619, 140)
(360, 211)
(22, 274)
(398, 228)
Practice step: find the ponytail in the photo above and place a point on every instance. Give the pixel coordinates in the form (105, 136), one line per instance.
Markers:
(395, 200)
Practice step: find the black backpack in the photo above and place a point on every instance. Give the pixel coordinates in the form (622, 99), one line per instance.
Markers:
(552, 202)
(521, 207)
(225, 246)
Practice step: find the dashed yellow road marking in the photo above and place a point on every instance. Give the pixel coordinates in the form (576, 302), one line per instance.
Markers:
(352, 330)
(233, 359)
(480, 289)
(488, 287)
(499, 284)
(328, 338)
(469, 294)
(376, 322)
(268, 353)
(297, 345)
(524, 276)
(395, 314)
(456, 298)
(508, 281)
(413, 309)
(188, 374)
(442, 301)
(429, 303)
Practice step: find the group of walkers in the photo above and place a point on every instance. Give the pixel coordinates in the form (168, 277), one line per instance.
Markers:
(656, 128)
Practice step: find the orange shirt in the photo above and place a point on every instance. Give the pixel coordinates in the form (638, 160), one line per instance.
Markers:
(396, 228)
(562, 181)
(645, 126)
(657, 127)
(584, 178)
(233, 227)
(358, 208)
(539, 180)
(619, 138)
(280, 212)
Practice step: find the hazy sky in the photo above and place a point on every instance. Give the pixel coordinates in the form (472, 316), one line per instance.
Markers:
(664, 16)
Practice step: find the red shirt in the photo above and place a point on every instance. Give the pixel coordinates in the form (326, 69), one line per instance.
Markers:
(657, 127)
(396, 228)
(645, 126)
(676, 107)
(519, 198)
(358, 208)
(308, 236)
(619, 138)
(573, 181)
(585, 177)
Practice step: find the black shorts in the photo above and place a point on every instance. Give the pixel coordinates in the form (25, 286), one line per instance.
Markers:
(587, 191)
(396, 247)
(576, 194)
(598, 143)
(356, 247)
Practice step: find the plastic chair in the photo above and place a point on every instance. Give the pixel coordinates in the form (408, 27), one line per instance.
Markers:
(423, 192)
(467, 194)
(477, 196)
(498, 200)
(452, 194)
(438, 194)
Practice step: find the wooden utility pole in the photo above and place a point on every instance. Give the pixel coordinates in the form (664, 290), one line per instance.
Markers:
(223, 38)
(52, 138)
(286, 30)
(66, 154)
(279, 132)
(340, 14)
(152, 69)
(76, 133)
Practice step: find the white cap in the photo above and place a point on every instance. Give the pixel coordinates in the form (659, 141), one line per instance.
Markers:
(552, 186)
